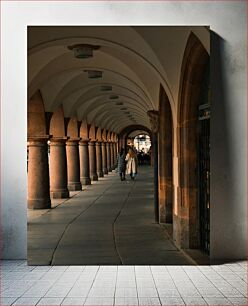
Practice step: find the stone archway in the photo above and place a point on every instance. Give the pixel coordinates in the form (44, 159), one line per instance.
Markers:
(165, 159)
(192, 73)
(38, 173)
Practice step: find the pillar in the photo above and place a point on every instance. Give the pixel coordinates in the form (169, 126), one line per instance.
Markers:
(104, 157)
(73, 168)
(38, 174)
(115, 154)
(99, 159)
(154, 120)
(155, 171)
(84, 162)
(58, 169)
(111, 155)
(92, 160)
(108, 157)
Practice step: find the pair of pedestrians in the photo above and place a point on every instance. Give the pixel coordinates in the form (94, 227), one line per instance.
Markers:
(127, 164)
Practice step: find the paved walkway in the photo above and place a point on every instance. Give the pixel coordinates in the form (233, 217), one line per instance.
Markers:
(123, 285)
(110, 222)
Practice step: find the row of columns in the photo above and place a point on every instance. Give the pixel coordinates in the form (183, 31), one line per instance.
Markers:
(73, 162)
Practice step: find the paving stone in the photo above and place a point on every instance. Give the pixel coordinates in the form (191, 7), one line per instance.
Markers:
(26, 301)
(99, 301)
(166, 301)
(50, 301)
(114, 227)
(149, 301)
(123, 301)
(217, 301)
(73, 301)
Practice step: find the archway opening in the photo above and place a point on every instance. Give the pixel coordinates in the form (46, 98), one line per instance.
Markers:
(194, 164)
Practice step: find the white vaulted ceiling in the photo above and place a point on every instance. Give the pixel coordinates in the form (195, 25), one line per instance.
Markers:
(134, 61)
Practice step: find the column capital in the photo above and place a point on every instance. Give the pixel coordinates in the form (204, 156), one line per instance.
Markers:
(73, 141)
(92, 141)
(38, 140)
(154, 120)
(84, 141)
(58, 140)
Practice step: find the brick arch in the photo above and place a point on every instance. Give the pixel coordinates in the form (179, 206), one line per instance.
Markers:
(36, 116)
(165, 135)
(192, 72)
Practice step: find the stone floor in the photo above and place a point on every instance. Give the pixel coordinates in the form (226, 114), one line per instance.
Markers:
(111, 222)
(108, 223)
(123, 285)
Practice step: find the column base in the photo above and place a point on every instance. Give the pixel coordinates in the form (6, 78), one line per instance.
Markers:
(59, 194)
(94, 177)
(39, 203)
(85, 180)
(74, 186)
(100, 173)
(105, 171)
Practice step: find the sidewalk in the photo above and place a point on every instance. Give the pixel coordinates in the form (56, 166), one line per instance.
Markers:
(110, 222)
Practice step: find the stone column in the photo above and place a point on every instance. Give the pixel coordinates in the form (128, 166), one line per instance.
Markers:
(84, 162)
(153, 116)
(73, 167)
(38, 174)
(108, 157)
(99, 159)
(111, 155)
(58, 169)
(115, 155)
(92, 160)
(104, 157)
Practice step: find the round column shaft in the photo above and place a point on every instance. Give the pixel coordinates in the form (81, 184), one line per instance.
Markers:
(58, 169)
(84, 162)
(38, 174)
(115, 154)
(111, 156)
(108, 157)
(92, 160)
(73, 168)
(99, 159)
(104, 158)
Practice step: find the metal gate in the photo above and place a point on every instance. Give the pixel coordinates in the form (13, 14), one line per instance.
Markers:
(204, 176)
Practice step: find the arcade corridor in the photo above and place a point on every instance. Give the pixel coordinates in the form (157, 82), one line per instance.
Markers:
(110, 222)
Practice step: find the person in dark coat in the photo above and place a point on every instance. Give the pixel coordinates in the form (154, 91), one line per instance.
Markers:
(121, 164)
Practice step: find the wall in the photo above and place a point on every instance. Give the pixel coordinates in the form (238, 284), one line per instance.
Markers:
(228, 122)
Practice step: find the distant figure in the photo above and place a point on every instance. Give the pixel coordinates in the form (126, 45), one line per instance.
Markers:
(132, 163)
(121, 164)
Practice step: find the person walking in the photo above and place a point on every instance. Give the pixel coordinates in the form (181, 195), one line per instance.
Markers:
(121, 164)
(132, 163)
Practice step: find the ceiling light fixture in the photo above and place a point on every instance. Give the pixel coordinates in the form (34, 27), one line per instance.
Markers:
(123, 108)
(94, 74)
(113, 97)
(119, 103)
(106, 88)
(83, 50)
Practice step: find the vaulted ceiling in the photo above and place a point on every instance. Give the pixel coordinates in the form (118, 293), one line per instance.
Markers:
(134, 61)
